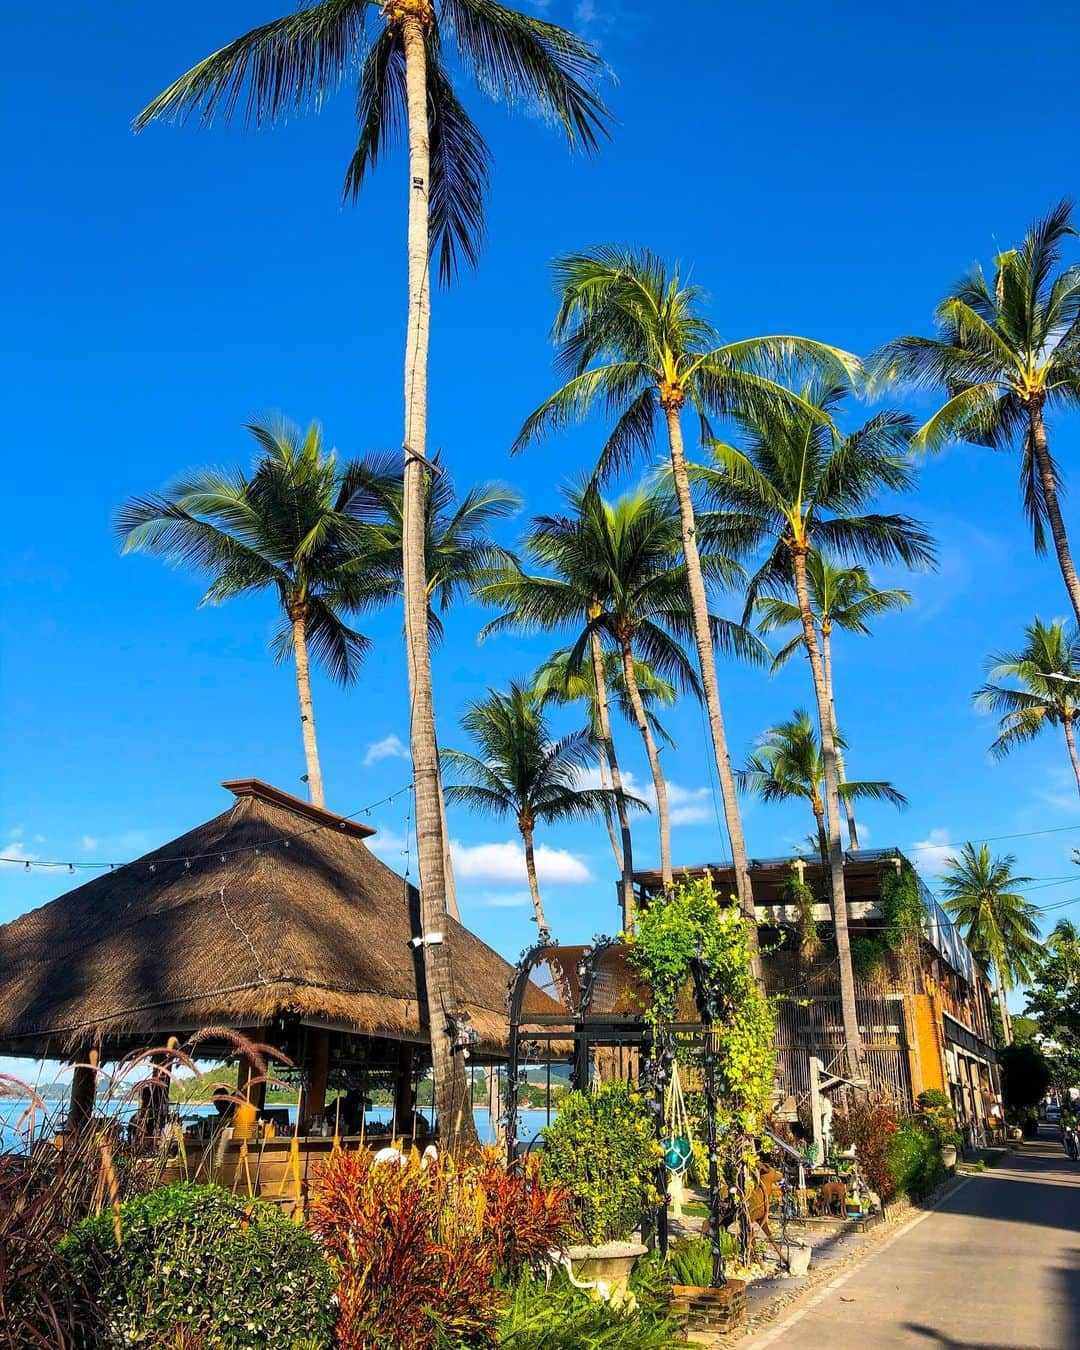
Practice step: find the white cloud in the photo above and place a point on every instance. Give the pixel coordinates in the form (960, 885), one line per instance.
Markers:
(390, 747)
(502, 900)
(932, 853)
(686, 806)
(389, 846)
(89, 843)
(16, 853)
(506, 863)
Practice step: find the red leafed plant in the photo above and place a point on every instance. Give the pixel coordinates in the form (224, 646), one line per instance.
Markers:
(524, 1219)
(869, 1122)
(414, 1267)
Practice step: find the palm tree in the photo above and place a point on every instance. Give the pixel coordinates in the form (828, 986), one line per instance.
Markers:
(1064, 943)
(634, 340)
(624, 555)
(1006, 354)
(559, 681)
(798, 485)
(840, 597)
(1047, 668)
(459, 548)
(458, 551)
(1000, 926)
(522, 773)
(787, 764)
(405, 89)
(297, 526)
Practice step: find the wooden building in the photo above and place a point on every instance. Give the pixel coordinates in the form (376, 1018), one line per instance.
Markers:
(924, 1006)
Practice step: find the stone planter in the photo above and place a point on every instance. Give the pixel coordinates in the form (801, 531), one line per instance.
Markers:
(948, 1156)
(717, 1310)
(606, 1267)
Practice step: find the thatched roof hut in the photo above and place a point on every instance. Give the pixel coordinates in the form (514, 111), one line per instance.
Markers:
(275, 910)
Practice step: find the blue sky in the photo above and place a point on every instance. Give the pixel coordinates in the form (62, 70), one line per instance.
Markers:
(825, 171)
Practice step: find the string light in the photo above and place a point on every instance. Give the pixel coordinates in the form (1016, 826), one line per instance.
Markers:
(29, 864)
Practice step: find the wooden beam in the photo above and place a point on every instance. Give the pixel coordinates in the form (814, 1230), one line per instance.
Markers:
(83, 1092)
(403, 1093)
(319, 1045)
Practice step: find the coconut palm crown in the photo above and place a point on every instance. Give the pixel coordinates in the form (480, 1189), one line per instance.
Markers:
(1047, 671)
(617, 575)
(632, 341)
(1007, 354)
(459, 551)
(787, 764)
(292, 64)
(520, 772)
(299, 525)
(840, 597)
(982, 895)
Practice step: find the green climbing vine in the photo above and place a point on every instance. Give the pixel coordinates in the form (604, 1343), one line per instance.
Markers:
(902, 916)
(796, 892)
(689, 921)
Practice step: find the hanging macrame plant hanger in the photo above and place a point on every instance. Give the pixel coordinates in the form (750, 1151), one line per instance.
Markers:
(677, 1142)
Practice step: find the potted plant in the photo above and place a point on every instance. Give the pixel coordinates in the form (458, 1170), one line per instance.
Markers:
(940, 1119)
(601, 1149)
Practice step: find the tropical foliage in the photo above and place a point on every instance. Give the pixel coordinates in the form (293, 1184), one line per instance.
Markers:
(634, 342)
(787, 764)
(200, 1261)
(1047, 671)
(294, 526)
(602, 1149)
(1007, 354)
(795, 484)
(840, 597)
(521, 773)
(982, 894)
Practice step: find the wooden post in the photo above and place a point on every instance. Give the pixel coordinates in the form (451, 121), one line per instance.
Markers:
(403, 1094)
(319, 1043)
(83, 1093)
(256, 1093)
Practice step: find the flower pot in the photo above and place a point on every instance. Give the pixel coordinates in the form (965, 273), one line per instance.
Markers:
(948, 1155)
(1014, 1133)
(798, 1258)
(606, 1268)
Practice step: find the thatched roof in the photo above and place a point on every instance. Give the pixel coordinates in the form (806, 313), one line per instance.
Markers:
(275, 907)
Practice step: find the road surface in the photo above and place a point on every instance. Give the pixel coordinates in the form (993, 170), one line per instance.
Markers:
(995, 1267)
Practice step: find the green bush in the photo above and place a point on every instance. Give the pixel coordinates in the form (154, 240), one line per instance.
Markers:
(913, 1158)
(867, 955)
(602, 1148)
(200, 1260)
(543, 1315)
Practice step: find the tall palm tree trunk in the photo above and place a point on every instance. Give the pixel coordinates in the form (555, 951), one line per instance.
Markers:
(624, 851)
(1003, 1007)
(452, 1099)
(1041, 448)
(699, 606)
(298, 618)
(609, 819)
(849, 805)
(663, 815)
(526, 828)
(832, 815)
(1070, 741)
(822, 833)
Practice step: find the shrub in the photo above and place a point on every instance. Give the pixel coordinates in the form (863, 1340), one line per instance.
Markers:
(869, 1123)
(553, 1315)
(602, 1149)
(200, 1263)
(867, 955)
(690, 1259)
(523, 1219)
(940, 1118)
(913, 1158)
(414, 1267)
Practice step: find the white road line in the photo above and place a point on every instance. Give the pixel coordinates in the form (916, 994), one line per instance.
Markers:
(771, 1336)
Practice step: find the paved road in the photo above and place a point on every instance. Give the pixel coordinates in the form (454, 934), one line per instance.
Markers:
(996, 1267)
